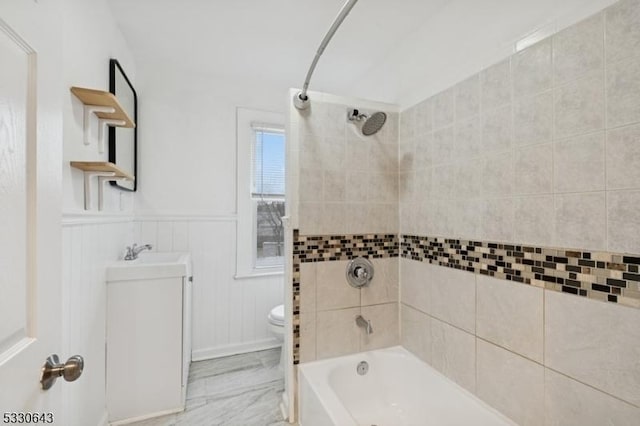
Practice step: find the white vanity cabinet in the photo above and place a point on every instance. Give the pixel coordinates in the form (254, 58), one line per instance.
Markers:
(148, 344)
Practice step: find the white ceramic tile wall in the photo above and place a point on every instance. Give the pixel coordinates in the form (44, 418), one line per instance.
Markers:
(538, 356)
(571, 403)
(229, 315)
(453, 353)
(348, 183)
(510, 315)
(512, 384)
(602, 341)
(87, 248)
(547, 156)
(341, 182)
(329, 306)
(541, 148)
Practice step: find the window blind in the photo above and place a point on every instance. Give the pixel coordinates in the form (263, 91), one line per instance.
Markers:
(268, 162)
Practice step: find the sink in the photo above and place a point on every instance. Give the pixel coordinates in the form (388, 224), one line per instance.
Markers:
(150, 265)
(152, 258)
(149, 317)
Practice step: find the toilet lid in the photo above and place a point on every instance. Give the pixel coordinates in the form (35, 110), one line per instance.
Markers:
(276, 315)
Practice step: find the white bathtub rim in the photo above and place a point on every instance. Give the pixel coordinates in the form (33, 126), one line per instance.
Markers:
(324, 394)
(336, 409)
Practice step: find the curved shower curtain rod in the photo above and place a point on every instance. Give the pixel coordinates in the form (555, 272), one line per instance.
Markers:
(300, 99)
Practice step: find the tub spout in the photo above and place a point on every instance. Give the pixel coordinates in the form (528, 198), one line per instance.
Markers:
(366, 324)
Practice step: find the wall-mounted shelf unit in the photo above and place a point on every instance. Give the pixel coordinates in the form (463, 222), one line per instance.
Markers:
(105, 171)
(106, 107)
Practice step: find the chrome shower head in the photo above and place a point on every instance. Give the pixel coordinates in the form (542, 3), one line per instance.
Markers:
(372, 123)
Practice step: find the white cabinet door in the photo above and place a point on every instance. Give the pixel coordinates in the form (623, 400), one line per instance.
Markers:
(30, 187)
(144, 348)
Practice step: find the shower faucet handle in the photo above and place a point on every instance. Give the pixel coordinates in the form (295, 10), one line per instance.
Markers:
(361, 273)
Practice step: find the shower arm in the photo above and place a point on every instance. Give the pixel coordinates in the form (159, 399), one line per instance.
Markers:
(301, 100)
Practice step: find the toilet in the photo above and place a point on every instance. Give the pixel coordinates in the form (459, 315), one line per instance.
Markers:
(276, 326)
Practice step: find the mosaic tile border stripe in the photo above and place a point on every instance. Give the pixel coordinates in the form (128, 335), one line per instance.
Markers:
(324, 248)
(320, 248)
(295, 283)
(611, 277)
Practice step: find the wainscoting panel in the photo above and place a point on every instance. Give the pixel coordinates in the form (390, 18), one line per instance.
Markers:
(88, 246)
(229, 314)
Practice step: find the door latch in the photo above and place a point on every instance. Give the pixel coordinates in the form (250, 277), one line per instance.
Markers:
(52, 369)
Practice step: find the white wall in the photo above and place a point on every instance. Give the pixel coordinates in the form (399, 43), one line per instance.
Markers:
(186, 168)
(187, 197)
(187, 148)
(90, 240)
(90, 38)
(187, 159)
(229, 316)
(459, 40)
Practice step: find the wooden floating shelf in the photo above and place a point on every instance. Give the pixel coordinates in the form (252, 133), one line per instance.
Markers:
(101, 167)
(104, 99)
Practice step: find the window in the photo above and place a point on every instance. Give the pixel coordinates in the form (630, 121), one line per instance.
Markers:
(260, 193)
(267, 194)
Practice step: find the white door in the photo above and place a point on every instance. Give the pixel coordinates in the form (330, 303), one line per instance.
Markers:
(30, 188)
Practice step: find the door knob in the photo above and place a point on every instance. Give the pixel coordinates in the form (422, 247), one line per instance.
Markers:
(52, 369)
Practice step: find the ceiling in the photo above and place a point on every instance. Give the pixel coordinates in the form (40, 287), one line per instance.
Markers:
(394, 51)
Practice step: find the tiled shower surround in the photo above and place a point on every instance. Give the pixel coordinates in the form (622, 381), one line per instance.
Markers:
(518, 191)
(318, 248)
(603, 276)
(343, 204)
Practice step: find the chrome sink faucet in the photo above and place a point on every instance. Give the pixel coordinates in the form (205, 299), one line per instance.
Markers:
(134, 251)
(363, 323)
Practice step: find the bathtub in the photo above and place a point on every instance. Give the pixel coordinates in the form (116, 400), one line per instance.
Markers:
(398, 390)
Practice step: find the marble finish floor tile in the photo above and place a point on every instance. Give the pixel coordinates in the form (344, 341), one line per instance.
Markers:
(239, 390)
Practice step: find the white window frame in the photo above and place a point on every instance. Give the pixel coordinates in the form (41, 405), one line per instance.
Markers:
(246, 230)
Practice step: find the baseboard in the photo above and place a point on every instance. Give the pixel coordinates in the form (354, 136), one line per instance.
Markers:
(284, 406)
(146, 417)
(234, 349)
(104, 421)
